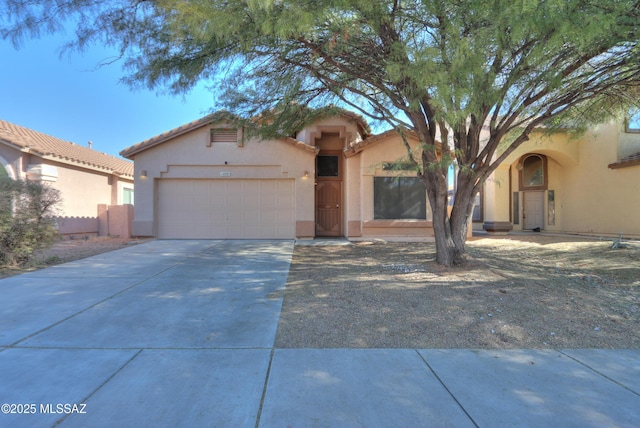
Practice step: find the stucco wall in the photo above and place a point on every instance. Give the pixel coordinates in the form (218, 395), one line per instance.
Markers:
(347, 127)
(82, 189)
(191, 156)
(370, 165)
(590, 198)
(599, 199)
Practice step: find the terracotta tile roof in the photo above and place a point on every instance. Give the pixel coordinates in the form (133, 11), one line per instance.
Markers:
(49, 147)
(217, 117)
(301, 144)
(357, 147)
(631, 160)
(159, 139)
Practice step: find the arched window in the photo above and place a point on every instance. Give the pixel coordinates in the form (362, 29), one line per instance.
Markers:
(533, 172)
(5, 169)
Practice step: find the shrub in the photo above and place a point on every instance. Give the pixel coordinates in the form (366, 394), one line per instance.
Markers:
(27, 223)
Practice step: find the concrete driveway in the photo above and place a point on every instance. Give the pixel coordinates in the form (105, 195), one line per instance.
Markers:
(181, 333)
(167, 333)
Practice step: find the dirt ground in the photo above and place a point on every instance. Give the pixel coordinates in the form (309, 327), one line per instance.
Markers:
(67, 250)
(530, 291)
(517, 291)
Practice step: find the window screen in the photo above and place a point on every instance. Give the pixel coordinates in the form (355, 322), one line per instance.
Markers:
(328, 166)
(399, 198)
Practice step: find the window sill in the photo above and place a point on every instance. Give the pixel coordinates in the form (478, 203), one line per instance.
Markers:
(398, 223)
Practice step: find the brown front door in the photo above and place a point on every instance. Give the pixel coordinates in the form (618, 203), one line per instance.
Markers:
(328, 194)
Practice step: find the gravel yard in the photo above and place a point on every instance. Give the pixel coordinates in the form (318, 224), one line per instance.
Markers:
(531, 291)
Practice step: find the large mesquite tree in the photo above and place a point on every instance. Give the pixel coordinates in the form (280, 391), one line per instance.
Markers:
(441, 68)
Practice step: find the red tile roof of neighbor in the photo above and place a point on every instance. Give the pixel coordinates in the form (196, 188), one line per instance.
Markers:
(47, 146)
(630, 160)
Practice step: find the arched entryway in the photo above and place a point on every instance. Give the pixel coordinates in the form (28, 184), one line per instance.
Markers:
(533, 178)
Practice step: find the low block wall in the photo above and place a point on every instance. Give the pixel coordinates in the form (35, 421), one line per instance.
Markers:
(115, 220)
(112, 220)
(77, 225)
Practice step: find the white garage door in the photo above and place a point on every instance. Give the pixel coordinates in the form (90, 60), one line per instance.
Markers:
(226, 209)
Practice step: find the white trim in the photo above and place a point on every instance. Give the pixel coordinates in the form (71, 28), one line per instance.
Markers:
(121, 187)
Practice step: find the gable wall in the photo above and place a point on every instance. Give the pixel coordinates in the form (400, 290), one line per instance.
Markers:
(369, 165)
(189, 156)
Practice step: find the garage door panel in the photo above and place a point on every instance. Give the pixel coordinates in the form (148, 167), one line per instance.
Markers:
(226, 209)
(253, 216)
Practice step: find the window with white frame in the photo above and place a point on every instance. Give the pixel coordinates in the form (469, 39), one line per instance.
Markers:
(397, 198)
(127, 195)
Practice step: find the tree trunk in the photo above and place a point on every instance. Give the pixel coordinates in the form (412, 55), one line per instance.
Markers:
(445, 248)
(461, 216)
(437, 191)
(450, 231)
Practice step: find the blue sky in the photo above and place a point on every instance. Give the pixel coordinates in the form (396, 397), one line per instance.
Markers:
(69, 98)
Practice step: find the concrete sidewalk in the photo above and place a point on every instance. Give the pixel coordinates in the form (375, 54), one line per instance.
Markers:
(181, 333)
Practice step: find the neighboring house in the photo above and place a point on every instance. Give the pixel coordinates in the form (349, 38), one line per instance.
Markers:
(90, 182)
(558, 183)
(335, 179)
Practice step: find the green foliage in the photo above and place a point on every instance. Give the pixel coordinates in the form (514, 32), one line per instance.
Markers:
(408, 63)
(26, 222)
(445, 70)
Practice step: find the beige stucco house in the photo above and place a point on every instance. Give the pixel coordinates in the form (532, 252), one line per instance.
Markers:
(96, 188)
(588, 184)
(333, 179)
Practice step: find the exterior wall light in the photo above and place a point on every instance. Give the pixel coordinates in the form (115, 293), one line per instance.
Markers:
(143, 173)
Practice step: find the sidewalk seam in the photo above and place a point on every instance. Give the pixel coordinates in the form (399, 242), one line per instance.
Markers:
(92, 393)
(264, 388)
(599, 373)
(447, 389)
